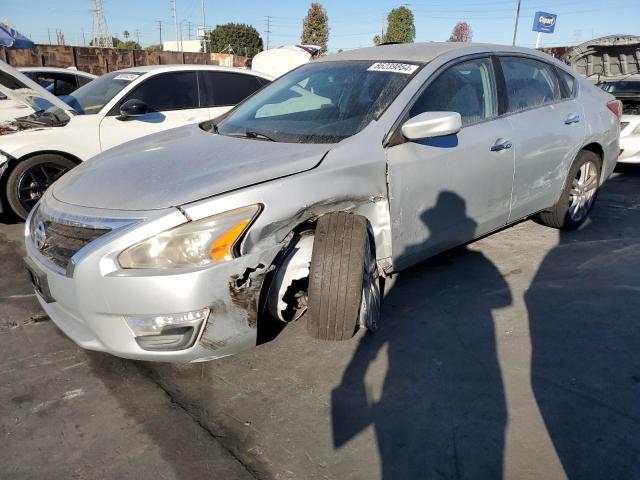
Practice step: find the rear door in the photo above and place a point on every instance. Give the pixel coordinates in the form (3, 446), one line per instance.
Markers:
(220, 91)
(445, 191)
(548, 131)
(172, 100)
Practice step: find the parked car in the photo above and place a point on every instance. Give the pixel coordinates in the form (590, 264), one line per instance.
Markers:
(611, 63)
(627, 90)
(308, 193)
(59, 81)
(113, 109)
(278, 61)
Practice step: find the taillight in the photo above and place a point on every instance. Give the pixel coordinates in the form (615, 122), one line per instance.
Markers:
(616, 108)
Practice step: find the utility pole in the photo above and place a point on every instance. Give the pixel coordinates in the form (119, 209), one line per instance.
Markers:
(189, 25)
(159, 22)
(515, 28)
(204, 28)
(175, 22)
(137, 34)
(49, 32)
(268, 30)
(84, 41)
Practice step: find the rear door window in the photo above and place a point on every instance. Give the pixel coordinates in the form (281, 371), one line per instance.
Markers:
(168, 91)
(468, 88)
(530, 83)
(219, 89)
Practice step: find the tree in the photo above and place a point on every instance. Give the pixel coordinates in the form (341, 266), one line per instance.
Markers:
(154, 48)
(129, 45)
(400, 27)
(125, 34)
(377, 40)
(315, 27)
(461, 33)
(238, 38)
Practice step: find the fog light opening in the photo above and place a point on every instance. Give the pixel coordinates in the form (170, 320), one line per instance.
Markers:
(176, 331)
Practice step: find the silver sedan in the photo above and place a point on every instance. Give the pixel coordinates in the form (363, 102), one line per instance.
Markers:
(195, 243)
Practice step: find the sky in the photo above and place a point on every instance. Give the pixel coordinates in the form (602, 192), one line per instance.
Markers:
(352, 23)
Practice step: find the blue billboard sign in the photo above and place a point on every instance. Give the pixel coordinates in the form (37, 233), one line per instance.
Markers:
(544, 22)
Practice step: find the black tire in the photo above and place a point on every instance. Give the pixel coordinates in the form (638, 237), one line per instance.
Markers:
(559, 216)
(31, 177)
(337, 275)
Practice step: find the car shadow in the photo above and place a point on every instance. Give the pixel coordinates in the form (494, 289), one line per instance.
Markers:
(442, 410)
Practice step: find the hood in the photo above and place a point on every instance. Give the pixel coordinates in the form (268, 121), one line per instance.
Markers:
(278, 61)
(606, 58)
(21, 89)
(180, 166)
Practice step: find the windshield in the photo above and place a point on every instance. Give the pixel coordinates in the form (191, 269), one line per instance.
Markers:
(621, 87)
(96, 94)
(322, 102)
(24, 93)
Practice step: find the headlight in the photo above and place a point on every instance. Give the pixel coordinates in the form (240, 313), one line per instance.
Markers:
(194, 244)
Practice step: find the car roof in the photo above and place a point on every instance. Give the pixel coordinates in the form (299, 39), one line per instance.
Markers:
(56, 70)
(181, 67)
(423, 52)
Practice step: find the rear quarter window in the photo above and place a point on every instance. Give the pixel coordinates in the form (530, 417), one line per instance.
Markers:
(568, 83)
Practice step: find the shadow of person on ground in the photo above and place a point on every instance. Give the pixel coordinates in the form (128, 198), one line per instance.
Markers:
(584, 312)
(442, 411)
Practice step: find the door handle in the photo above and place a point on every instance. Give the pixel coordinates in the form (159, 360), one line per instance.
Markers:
(572, 119)
(501, 145)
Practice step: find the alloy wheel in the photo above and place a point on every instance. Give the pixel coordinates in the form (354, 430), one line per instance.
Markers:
(370, 304)
(34, 181)
(583, 191)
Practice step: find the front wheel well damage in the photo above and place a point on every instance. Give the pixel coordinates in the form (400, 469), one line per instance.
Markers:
(283, 295)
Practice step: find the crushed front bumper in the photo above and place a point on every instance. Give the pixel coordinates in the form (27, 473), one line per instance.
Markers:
(90, 302)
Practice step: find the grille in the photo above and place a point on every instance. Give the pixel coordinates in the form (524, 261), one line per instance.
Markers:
(623, 125)
(61, 239)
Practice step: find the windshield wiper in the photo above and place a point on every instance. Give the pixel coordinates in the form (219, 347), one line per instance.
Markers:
(262, 136)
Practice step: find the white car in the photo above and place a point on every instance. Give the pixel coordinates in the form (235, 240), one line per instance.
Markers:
(627, 90)
(117, 107)
(59, 81)
(278, 61)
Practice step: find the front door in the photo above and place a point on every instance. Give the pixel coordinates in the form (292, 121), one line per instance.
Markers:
(172, 100)
(448, 190)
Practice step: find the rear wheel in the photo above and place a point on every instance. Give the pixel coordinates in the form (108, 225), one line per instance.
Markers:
(579, 194)
(30, 178)
(344, 287)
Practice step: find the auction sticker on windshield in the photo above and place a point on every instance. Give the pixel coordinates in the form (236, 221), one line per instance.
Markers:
(127, 76)
(406, 68)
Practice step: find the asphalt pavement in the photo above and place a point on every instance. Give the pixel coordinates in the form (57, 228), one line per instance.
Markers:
(514, 357)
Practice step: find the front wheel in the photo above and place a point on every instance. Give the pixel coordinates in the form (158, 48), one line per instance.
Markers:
(344, 287)
(30, 178)
(579, 194)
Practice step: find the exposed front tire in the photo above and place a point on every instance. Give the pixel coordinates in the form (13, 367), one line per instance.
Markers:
(344, 288)
(30, 178)
(579, 194)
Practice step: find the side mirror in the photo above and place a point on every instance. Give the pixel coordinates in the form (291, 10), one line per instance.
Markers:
(133, 108)
(432, 124)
